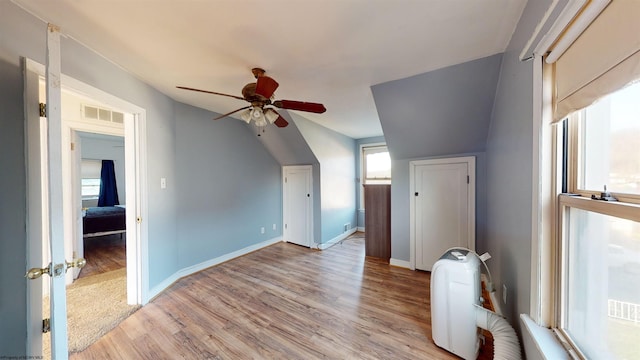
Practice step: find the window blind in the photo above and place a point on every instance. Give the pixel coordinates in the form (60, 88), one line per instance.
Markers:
(603, 59)
(90, 169)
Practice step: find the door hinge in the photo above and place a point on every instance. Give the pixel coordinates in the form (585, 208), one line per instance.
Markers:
(285, 226)
(285, 180)
(43, 110)
(73, 146)
(46, 325)
(467, 179)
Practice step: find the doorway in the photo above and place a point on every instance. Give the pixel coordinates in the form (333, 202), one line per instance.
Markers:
(101, 227)
(442, 208)
(132, 132)
(297, 205)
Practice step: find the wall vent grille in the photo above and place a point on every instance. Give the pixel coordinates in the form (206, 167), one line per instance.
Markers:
(96, 113)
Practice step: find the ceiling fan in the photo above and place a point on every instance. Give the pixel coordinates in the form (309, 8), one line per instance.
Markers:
(260, 95)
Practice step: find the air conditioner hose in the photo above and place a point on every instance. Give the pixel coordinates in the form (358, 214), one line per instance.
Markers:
(505, 341)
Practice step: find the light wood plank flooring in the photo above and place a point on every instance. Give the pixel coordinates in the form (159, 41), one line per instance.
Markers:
(104, 254)
(284, 302)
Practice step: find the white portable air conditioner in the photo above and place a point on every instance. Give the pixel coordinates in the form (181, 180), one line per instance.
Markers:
(457, 312)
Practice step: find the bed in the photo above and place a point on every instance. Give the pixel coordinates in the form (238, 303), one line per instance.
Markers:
(105, 220)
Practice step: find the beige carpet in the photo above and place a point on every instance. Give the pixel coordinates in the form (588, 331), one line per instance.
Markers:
(95, 305)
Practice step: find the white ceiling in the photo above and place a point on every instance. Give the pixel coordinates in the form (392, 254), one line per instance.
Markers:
(328, 51)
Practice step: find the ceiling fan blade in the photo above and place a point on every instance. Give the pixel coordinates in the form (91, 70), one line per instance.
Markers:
(300, 105)
(281, 122)
(266, 86)
(210, 92)
(232, 112)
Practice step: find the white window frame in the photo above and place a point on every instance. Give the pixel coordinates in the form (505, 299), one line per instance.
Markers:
(549, 273)
(363, 167)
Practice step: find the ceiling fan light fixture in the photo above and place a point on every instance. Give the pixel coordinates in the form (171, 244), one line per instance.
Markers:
(256, 113)
(246, 115)
(271, 115)
(258, 117)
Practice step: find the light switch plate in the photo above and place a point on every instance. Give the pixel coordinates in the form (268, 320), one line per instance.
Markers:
(163, 183)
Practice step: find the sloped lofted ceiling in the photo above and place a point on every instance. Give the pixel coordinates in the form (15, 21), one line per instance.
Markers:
(442, 112)
(322, 51)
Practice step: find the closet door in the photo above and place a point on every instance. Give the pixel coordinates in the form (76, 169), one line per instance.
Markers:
(297, 205)
(443, 210)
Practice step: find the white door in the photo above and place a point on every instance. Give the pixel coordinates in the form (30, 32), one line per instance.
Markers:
(53, 213)
(297, 205)
(443, 207)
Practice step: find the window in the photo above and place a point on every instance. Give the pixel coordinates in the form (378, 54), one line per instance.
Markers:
(586, 247)
(376, 165)
(599, 285)
(90, 188)
(90, 182)
(609, 134)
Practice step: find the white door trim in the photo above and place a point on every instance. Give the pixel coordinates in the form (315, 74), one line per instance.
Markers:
(35, 195)
(285, 169)
(471, 194)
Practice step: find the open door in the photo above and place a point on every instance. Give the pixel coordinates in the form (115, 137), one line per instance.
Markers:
(52, 214)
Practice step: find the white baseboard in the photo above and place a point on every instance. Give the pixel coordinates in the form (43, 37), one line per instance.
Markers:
(207, 264)
(360, 228)
(400, 263)
(335, 240)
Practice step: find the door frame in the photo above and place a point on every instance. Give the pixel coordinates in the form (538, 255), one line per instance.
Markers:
(285, 210)
(71, 168)
(471, 200)
(136, 180)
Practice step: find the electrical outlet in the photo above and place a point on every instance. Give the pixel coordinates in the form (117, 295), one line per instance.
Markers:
(262, 230)
(163, 183)
(504, 293)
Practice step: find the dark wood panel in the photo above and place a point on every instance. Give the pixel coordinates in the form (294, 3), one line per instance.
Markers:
(284, 302)
(377, 221)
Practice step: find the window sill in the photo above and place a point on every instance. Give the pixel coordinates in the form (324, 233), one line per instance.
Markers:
(540, 342)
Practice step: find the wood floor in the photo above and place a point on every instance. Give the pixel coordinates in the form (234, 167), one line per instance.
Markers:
(104, 254)
(284, 302)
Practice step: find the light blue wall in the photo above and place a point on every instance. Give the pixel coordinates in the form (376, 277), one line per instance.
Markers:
(287, 145)
(13, 207)
(359, 142)
(228, 187)
(336, 154)
(104, 147)
(509, 170)
(442, 112)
